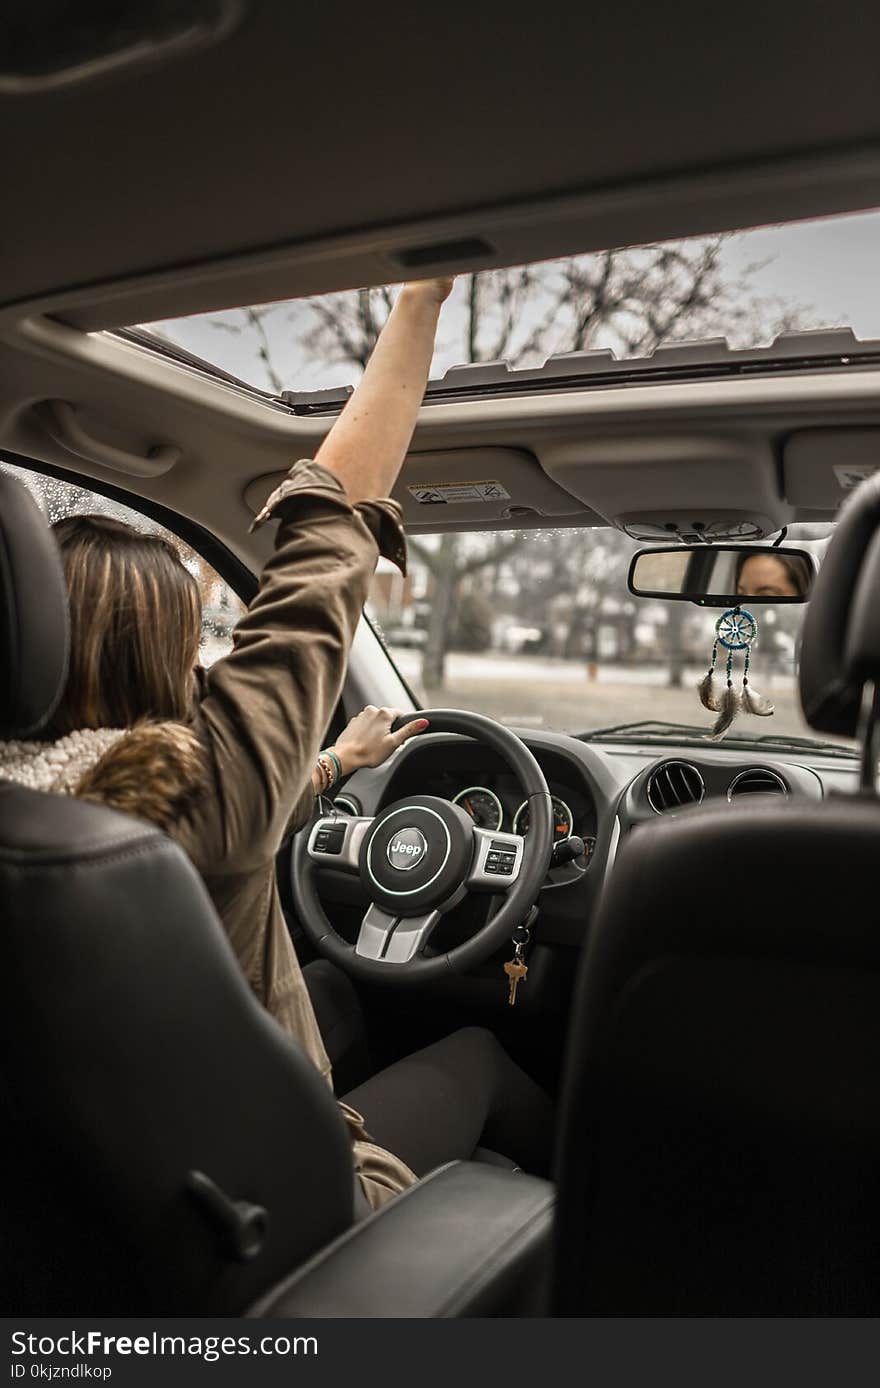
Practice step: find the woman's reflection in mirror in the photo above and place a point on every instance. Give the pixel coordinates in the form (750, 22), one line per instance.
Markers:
(771, 576)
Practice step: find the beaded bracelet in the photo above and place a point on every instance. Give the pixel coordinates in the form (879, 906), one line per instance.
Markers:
(334, 757)
(327, 770)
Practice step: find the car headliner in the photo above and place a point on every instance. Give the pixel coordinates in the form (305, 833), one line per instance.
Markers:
(339, 147)
(316, 148)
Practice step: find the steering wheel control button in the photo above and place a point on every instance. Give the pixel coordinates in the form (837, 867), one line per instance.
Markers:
(501, 859)
(337, 843)
(406, 849)
(495, 857)
(417, 854)
(330, 840)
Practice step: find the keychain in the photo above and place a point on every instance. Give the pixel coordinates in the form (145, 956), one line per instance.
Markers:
(517, 969)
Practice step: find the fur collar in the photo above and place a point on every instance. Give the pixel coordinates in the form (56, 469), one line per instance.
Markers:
(153, 771)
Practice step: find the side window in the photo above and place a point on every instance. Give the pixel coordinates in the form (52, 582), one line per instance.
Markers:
(221, 608)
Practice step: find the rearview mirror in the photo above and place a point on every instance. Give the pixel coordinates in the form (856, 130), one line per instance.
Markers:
(722, 575)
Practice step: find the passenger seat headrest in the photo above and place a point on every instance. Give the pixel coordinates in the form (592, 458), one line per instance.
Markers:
(33, 614)
(862, 652)
(840, 648)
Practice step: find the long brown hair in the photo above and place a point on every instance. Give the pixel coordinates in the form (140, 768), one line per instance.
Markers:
(135, 623)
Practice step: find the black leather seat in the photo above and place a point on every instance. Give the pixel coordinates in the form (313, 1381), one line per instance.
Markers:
(165, 1147)
(720, 1141)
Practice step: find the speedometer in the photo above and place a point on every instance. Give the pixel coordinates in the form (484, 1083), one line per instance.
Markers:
(482, 805)
(563, 819)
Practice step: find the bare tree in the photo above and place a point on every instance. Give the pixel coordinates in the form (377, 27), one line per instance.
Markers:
(348, 324)
(253, 321)
(631, 301)
(448, 564)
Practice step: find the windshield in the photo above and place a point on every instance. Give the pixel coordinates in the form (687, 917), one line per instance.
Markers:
(536, 628)
(745, 287)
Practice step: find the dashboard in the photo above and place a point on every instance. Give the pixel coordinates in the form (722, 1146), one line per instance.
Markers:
(602, 793)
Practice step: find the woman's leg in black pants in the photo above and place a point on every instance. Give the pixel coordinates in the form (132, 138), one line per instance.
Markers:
(450, 1098)
(341, 1023)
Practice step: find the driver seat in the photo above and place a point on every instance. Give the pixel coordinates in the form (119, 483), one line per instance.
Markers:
(720, 1142)
(170, 1149)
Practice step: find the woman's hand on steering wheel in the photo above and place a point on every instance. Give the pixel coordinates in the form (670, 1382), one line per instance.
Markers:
(368, 740)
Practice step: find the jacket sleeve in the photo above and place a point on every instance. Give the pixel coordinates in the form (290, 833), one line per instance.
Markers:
(265, 706)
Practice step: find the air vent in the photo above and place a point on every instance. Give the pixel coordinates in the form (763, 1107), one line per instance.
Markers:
(674, 785)
(756, 781)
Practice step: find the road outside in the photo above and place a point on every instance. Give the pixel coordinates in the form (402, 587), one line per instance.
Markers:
(535, 692)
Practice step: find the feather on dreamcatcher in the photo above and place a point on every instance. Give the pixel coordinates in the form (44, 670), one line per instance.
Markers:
(735, 630)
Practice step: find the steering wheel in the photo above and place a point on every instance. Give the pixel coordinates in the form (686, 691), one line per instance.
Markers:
(420, 857)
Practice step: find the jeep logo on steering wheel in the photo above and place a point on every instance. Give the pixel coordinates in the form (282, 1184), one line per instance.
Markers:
(407, 848)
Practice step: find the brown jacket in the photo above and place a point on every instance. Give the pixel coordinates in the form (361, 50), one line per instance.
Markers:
(263, 711)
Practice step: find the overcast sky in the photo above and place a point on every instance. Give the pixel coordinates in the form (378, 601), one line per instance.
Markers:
(827, 268)
(832, 265)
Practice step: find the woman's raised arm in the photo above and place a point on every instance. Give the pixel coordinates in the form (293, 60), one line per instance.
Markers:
(366, 447)
(266, 706)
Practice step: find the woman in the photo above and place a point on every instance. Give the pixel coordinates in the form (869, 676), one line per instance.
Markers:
(229, 763)
(771, 576)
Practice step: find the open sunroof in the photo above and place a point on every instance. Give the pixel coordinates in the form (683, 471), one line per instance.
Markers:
(797, 295)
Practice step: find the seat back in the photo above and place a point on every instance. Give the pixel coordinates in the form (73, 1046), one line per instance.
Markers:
(720, 1132)
(166, 1148)
(721, 1121)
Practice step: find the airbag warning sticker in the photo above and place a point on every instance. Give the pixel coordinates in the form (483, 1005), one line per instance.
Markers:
(444, 493)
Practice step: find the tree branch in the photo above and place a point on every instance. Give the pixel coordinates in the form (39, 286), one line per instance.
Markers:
(496, 555)
(473, 317)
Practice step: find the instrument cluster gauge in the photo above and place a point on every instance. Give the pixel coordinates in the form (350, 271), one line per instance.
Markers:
(482, 805)
(563, 819)
(346, 804)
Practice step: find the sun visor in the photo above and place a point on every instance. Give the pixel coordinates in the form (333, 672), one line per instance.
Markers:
(467, 488)
(656, 486)
(822, 466)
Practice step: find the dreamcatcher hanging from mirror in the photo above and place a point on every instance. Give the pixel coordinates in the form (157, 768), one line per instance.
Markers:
(736, 630)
